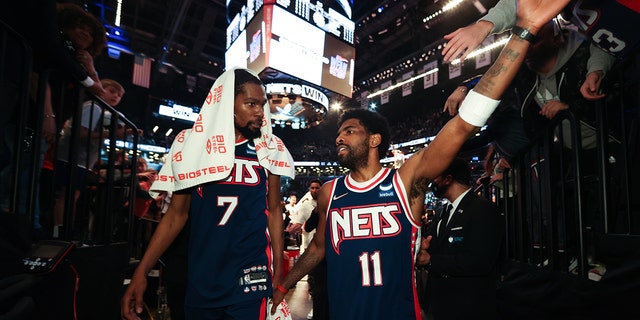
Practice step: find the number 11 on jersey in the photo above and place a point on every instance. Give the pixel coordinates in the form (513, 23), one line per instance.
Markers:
(370, 264)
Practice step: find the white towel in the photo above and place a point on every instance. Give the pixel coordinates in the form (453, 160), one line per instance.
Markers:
(206, 152)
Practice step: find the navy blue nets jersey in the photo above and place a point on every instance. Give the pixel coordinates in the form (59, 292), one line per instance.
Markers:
(370, 250)
(230, 260)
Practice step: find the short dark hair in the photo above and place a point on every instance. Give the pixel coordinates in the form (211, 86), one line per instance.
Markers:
(460, 171)
(242, 77)
(312, 181)
(374, 123)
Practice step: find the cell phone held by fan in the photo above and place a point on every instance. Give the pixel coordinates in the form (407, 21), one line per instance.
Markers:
(45, 256)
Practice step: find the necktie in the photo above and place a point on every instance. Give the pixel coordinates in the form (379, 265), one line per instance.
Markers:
(445, 218)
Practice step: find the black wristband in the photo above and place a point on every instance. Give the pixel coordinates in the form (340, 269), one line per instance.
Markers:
(524, 34)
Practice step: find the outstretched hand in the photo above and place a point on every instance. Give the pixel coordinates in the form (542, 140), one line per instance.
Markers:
(464, 40)
(455, 100)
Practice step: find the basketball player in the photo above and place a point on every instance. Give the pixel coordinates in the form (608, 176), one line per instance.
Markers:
(235, 245)
(367, 230)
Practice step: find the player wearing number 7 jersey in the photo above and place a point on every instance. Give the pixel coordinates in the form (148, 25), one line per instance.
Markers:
(224, 173)
(228, 229)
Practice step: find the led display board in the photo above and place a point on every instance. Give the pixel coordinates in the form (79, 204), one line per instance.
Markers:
(178, 111)
(337, 19)
(277, 39)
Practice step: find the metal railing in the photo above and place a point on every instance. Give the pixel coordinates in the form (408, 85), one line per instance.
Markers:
(558, 203)
(104, 210)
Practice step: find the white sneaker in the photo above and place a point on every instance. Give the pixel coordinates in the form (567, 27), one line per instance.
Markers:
(310, 315)
(597, 272)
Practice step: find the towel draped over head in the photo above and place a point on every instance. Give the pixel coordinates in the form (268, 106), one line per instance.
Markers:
(206, 152)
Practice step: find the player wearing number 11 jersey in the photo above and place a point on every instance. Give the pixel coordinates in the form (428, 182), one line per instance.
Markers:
(370, 259)
(369, 220)
(356, 212)
(368, 225)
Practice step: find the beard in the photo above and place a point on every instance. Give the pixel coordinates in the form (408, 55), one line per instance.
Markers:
(356, 157)
(247, 132)
(438, 192)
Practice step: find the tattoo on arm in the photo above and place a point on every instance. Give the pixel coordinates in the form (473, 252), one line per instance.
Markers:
(495, 81)
(485, 85)
(496, 70)
(511, 54)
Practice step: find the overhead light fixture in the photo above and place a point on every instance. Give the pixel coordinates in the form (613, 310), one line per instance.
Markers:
(168, 132)
(445, 8)
(451, 5)
(399, 84)
(118, 13)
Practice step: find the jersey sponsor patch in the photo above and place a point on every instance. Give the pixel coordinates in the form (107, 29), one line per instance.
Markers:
(386, 187)
(253, 277)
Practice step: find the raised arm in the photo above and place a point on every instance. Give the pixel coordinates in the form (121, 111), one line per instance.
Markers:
(466, 39)
(483, 99)
(532, 15)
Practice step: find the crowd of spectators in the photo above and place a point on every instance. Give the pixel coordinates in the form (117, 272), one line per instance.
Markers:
(418, 126)
(314, 145)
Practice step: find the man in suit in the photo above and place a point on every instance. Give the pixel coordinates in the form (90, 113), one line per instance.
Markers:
(462, 250)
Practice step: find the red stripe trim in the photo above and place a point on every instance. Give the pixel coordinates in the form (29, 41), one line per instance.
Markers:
(350, 184)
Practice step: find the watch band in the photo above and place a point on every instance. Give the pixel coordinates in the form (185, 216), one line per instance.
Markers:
(524, 34)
